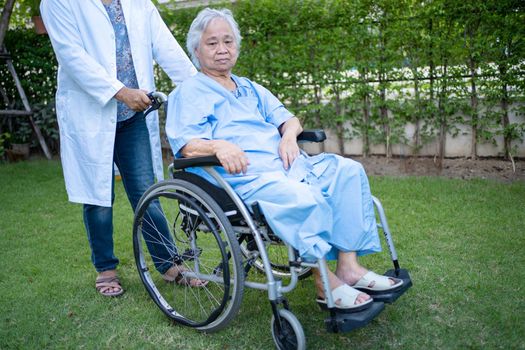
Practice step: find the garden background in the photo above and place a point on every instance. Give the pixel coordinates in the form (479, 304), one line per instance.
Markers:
(441, 78)
(389, 78)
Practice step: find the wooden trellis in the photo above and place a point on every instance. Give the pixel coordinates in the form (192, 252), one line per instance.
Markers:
(27, 112)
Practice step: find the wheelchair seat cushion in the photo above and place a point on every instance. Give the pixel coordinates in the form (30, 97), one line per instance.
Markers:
(217, 193)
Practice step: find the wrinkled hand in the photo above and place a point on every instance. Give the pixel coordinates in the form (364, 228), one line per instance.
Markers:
(288, 150)
(135, 99)
(232, 157)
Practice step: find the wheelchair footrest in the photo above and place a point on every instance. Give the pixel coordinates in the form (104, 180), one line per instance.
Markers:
(345, 322)
(391, 296)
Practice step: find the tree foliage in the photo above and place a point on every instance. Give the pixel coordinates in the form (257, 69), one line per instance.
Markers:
(366, 69)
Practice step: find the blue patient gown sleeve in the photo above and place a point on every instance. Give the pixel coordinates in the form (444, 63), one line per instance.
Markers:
(270, 106)
(190, 120)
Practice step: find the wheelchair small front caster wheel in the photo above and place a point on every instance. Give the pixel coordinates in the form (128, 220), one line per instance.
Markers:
(290, 335)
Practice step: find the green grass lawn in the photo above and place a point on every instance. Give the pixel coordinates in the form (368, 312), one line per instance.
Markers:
(463, 242)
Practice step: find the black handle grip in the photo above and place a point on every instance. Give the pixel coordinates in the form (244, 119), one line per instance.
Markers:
(157, 99)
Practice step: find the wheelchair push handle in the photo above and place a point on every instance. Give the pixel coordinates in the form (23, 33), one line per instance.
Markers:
(157, 99)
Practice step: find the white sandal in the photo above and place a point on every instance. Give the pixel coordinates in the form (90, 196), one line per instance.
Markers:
(345, 298)
(372, 282)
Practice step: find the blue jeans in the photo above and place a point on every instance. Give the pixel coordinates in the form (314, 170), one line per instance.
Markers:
(132, 155)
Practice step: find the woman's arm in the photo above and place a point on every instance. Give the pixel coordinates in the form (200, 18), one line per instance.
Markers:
(232, 158)
(288, 147)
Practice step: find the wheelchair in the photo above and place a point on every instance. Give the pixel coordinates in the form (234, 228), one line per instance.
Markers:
(220, 241)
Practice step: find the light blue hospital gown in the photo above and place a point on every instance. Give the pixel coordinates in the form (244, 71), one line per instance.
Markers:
(320, 206)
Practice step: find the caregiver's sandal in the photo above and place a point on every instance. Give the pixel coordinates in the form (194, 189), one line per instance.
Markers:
(109, 286)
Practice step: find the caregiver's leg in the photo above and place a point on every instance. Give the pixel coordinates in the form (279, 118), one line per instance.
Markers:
(133, 158)
(98, 221)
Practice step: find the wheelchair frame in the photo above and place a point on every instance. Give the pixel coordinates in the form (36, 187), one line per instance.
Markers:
(286, 330)
(275, 287)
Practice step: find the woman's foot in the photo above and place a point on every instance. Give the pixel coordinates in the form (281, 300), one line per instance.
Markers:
(335, 282)
(345, 299)
(350, 272)
(367, 280)
(108, 284)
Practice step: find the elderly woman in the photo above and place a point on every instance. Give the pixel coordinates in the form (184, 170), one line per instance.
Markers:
(320, 205)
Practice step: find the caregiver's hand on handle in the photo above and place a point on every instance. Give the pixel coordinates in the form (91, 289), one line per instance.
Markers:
(157, 98)
(136, 99)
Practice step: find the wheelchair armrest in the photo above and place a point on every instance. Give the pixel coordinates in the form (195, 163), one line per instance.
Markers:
(183, 163)
(314, 135)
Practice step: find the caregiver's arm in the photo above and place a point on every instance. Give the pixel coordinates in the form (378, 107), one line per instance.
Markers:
(232, 158)
(288, 147)
(71, 54)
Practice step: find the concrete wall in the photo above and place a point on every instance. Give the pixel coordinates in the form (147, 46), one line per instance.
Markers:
(455, 146)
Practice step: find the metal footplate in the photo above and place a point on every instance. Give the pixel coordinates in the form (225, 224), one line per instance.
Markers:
(391, 296)
(346, 322)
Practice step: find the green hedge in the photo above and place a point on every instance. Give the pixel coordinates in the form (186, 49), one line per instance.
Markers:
(374, 65)
(379, 65)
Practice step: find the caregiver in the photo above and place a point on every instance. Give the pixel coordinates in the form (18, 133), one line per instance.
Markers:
(105, 51)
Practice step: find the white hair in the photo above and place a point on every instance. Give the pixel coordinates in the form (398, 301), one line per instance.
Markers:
(199, 25)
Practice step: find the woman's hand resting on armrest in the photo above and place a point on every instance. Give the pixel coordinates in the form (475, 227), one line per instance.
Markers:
(232, 157)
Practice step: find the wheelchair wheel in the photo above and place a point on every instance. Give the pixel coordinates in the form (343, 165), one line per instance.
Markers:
(278, 255)
(290, 336)
(178, 223)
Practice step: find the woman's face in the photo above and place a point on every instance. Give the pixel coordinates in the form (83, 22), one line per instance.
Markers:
(217, 51)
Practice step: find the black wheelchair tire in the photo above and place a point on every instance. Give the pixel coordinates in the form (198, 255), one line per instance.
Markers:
(291, 334)
(226, 244)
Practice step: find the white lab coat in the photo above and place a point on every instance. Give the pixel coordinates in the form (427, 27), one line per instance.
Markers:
(84, 43)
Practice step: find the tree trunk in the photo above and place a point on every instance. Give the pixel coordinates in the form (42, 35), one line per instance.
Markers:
(432, 102)
(442, 118)
(432, 74)
(470, 38)
(318, 122)
(474, 107)
(339, 124)
(366, 124)
(383, 111)
(505, 121)
(384, 117)
(4, 20)
(366, 117)
(418, 115)
(317, 96)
